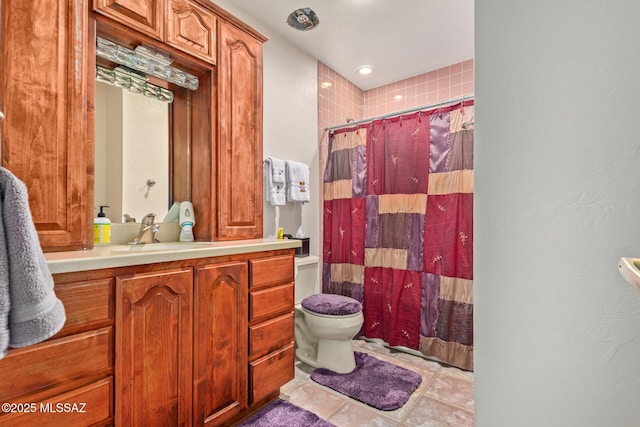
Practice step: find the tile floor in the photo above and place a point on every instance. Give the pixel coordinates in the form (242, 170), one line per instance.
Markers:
(444, 398)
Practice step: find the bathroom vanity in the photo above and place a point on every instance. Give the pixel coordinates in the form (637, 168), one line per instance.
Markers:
(172, 334)
(47, 88)
(167, 333)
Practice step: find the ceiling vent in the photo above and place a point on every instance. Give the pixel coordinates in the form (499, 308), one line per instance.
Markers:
(303, 19)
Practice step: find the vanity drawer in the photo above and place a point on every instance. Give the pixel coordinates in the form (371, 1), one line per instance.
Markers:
(271, 301)
(271, 372)
(271, 271)
(87, 304)
(93, 404)
(270, 335)
(53, 362)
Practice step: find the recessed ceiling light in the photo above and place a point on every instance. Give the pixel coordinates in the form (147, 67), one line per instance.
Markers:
(365, 69)
(326, 85)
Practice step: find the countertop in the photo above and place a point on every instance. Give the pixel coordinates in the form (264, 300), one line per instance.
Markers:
(125, 255)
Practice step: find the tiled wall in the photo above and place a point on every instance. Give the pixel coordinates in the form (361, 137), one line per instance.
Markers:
(343, 100)
(444, 84)
(339, 101)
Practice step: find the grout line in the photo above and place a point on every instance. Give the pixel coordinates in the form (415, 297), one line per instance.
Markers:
(441, 399)
(446, 402)
(337, 409)
(412, 403)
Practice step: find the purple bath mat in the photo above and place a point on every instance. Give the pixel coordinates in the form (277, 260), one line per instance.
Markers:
(281, 413)
(374, 382)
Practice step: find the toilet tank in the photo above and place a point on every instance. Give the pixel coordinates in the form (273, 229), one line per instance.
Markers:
(306, 278)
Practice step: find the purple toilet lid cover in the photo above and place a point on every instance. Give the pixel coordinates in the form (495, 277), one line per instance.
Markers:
(337, 305)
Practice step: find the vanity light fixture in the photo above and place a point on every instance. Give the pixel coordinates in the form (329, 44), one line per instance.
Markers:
(132, 81)
(146, 61)
(365, 70)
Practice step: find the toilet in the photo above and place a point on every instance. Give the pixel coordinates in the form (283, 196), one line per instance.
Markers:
(325, 324)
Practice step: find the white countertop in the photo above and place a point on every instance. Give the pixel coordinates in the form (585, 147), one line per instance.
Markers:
(125, 255)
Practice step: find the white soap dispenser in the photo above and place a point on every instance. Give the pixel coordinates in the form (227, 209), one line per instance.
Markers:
(187, 221)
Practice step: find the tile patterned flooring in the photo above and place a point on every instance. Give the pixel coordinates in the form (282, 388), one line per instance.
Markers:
(444, 398)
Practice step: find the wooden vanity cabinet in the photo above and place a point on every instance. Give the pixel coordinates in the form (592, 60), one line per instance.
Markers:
(47, 133)
(226, 171)
(154, 315)
(271, 325)
(220, 337)
(240, 129)
(183, 24)
(194, 342)
(145, 16)
(47, 85)
(192, 29)
(74, 366)
(238, 363)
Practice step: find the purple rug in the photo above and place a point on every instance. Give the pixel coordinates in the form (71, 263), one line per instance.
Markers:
(281, 413)
(374, 382)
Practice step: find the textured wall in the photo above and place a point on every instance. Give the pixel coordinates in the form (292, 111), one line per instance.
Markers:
(557, 202)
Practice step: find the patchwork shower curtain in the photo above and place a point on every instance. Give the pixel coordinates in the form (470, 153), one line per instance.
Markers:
(398, 228)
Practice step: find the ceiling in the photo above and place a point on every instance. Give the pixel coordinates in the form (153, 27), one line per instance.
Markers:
(398, 38)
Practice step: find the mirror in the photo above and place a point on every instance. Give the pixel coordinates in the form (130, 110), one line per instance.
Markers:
(131, 154)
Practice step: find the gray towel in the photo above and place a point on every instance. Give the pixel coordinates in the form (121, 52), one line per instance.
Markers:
(30, 312)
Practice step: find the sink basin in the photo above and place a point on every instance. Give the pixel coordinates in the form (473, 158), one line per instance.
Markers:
(630, 270)
(158, 247)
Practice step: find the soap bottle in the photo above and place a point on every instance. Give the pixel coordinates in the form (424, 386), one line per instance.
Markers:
(101, 228)
(187, 221)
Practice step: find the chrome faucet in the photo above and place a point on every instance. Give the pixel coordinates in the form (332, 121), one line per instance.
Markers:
(148, 230)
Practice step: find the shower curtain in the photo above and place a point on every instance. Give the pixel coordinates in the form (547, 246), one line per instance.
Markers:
(398, 228)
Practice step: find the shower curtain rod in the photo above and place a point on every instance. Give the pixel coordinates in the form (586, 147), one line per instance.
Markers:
(399, 113)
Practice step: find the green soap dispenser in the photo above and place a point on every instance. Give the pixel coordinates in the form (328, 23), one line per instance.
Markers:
(101, 228)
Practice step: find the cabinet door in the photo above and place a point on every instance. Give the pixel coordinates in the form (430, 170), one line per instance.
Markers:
(192, 29)
(47, 137)
(220, 385)
(154, 348)
(240, 137)
(146, 16)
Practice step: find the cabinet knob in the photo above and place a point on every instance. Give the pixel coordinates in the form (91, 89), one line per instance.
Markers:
(1, 116)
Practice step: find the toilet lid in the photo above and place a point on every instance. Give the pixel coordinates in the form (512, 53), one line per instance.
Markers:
(337, 305)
